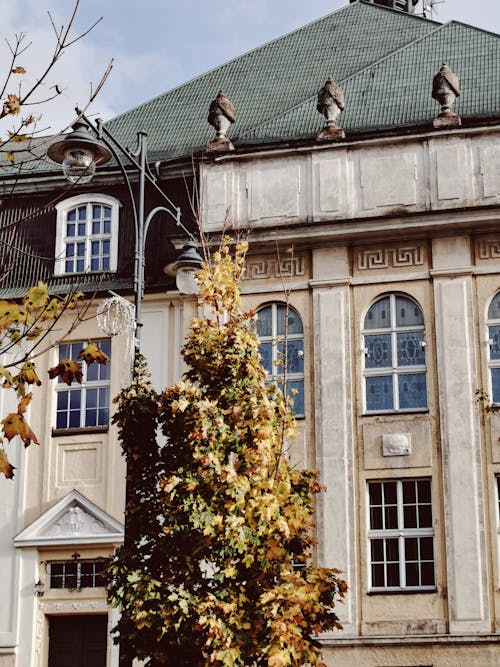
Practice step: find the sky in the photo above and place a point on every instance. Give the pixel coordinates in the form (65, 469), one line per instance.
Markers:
(159, 44)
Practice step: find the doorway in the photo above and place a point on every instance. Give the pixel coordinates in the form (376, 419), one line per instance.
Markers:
(78, 640)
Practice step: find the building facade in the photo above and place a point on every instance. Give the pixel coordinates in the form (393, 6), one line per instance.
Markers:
(384, 234)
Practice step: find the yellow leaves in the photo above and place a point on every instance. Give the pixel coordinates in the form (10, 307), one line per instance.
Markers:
(15, 424)
(6, 379)
(18, 70)
(68, 370)
(5, 467)
(10, 314)
(37, 296)
(12, 105)
(28, 374)
(10, 157)
(91, 353)
(17, 138)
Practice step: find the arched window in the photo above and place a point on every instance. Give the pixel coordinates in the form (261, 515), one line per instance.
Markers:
(277, 323)
(494, 345)
(87, 234)
(394, 346)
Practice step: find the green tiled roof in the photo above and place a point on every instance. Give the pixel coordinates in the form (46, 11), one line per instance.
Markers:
(396, 90)
(276, 77)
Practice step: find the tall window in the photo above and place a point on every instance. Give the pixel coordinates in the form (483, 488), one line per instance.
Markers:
(276, 324)
(401, 535)
(86, 404)
(494, 345)
(394, 346)
(87, 234)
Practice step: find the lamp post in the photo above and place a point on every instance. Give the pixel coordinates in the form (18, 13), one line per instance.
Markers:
(89, 145)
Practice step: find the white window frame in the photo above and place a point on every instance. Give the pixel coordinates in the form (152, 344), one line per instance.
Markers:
(395, 371)
(492, 363)
(274, 338)
(400, 534)
(62, 209)
(83, 388)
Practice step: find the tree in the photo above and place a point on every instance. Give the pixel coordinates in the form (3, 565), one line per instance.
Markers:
(23, 93)
(25, 326)
(216, 567)
(24, 334)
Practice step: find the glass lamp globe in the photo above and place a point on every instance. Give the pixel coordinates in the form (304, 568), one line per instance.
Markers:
(185, 280)
(78, 165)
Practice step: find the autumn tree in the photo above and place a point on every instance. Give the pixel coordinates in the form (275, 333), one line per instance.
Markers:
(217, 566)
(28, 326)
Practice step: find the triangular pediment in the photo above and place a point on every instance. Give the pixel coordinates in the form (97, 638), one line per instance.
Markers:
(74, 520)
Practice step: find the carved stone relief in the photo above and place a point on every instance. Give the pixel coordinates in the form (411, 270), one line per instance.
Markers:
(76, 522)
(487, 248)
(285, 267)
(386, 258)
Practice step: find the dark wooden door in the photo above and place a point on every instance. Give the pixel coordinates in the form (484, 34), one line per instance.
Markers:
(77, 641)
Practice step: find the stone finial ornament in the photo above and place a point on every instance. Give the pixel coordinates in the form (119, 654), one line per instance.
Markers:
(445, 89)
(221, 116)
(330, 104)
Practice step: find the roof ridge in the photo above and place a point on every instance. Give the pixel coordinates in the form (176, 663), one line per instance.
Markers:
(438, 27)
(474, 27)
(242, 55)
(398, 11)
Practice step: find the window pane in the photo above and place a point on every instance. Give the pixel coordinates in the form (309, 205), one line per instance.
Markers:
(379, 393)
(294, 321)
(266, 352)
(411, 351)
(295, 356)
(427, 574)
(408, 314)
(391, 517)
(495, 385)
(378, 351)
(393, 574)
(70, 229)
(376, 520)
(409, 491)
(424, 490)
(426, 548)
(375, 489)
(494, 336)
(71, 215)
(377, 549)
(412, 572)
(378, 576)
(494, 309)
(412, 391)
(264, 322)
(390, 493)
(411, 548)
(295, 390)
(410, 516)
(392, 550)
(378, 317)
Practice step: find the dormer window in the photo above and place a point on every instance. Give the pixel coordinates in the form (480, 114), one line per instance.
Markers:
(87, 234)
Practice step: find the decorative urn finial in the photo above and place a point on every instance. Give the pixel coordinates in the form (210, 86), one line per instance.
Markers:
(221, 116)
(330, 104)
(445, 89)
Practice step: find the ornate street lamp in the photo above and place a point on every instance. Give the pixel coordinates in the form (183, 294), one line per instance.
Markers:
(90, 145)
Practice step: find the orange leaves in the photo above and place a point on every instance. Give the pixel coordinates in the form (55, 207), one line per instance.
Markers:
(5, 467)
(15, 424)
(68, 370)
(91, 353)
(18, 70)
(12, 105)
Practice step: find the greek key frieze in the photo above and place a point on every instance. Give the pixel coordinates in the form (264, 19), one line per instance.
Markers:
(489, 249)
(384, 258)
(287, 267)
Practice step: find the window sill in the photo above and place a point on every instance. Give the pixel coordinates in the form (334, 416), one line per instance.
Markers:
(79, 431)
(405, 591)
(386, 413)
